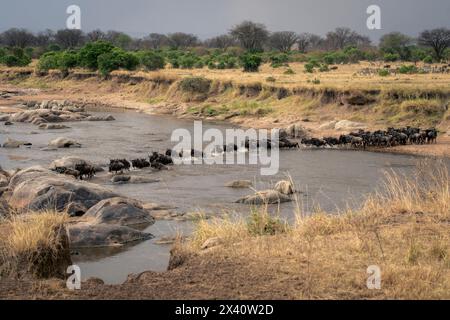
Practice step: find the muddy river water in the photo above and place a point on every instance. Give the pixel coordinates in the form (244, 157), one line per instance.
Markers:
(330, 179)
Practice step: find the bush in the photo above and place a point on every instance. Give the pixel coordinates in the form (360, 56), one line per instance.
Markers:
(188, 61)
(279, 60)
(152, 60)
(309, 67)
(115, 60)
(428, 59)
(391, 57)
(289, 71)
(260, 223)
(195, 85)
(67, 60)
(14, 57)
(324, 68)
(48, 61)
(383, 73)
(251, 62)
(271, 79)
(411, 69)
(90, 53)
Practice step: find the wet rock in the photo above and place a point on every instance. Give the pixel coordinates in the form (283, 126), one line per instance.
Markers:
(125, 179)
(284, 187)
(4, 181)
(51, 126)
(349, 125)
(85, 235)
(11, 143)
(239, 184)
(71, 162)
(40, 116)
(37, 188)
(120, 179)
(264, 197)
(64, 143)
(100, 118)
(119, 211)
(8, 123)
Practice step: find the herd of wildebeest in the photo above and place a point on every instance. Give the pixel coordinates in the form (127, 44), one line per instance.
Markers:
(358, 140)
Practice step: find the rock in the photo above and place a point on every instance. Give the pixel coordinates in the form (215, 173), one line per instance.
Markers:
(38, 189)
(71, 162)
(40, 116)
(119, 211)
(124, 179)
(285, 187)
(296, 131)
(211, 242)
(4, 117)
(51, 126)
(11, 143)
(349, 125)
(64, 143)
(99, 118)
(94, 282)
(85, 235)
(4, 181)
(265, 197)
(4, 208)
(328, 125)
(8, 123)
(239, 184)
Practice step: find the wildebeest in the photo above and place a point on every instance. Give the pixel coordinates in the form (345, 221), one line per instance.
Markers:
(85, 170)
(117, 165)
(140, 163)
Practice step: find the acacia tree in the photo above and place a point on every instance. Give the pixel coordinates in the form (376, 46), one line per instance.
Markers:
(155, 41)
(437, 39)
(282, 40)
(44, 38)
(221, 42)
(252, 36)
(69, 38)
(17, 38)
(96, 35)
(397, 43)
(306, 41)
(343, 37)
(182, 40)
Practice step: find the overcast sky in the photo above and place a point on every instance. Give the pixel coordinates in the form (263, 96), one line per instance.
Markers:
(208, 18)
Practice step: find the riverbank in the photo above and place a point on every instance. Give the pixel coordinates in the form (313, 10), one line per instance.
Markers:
(404, 232)
(240, 101)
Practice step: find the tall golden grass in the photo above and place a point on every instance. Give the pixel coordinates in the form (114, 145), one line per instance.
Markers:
(404, 228)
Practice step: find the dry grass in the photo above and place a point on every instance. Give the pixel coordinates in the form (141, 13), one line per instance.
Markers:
(404, 229)
(32, 241)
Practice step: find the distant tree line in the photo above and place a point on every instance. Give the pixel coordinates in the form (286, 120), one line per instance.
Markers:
(247, 45)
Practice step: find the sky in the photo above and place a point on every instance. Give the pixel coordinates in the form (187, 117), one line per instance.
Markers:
(207, 18)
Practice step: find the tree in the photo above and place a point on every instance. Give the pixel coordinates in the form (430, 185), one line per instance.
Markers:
(115, 60)
(306, 41)
(437, 39)
(223, 41)
(151, 60)
(180, 40)
(17, 38)
(396, 43)
(283, 40)
(344, 37)
(119, 39)
(155, 41)
(69, 38)
(44, 38)
(96, 35)
(251, 62)
(252, 36)
(89, 54)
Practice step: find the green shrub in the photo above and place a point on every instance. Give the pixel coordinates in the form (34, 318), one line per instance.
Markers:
(251, 62)
(195, 85)
(391, 57)
(383, 73)
(188, 61)
(309, 67)
(428, 59)
(271, 79)
(411, 69)
(289, 71)
(90, 53)
(279, 60)
(115, 60)
(324, 68)
(152, 60)
(67, 60)
(48, 61)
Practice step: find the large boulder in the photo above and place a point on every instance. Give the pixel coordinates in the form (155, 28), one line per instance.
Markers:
(349, 125)
(330, 125)
(11, 143)
(39, 189)
(52, 126)
(265, 197)
(63, 143)
(100, 118)
(86, 235)
(119, 211)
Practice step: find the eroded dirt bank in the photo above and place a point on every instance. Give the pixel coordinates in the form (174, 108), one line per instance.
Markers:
(248, 105)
